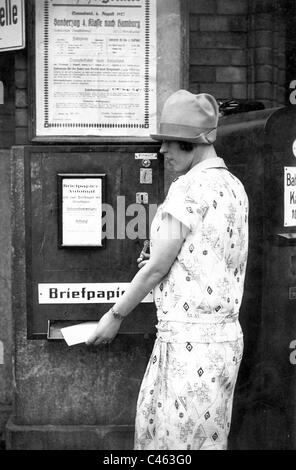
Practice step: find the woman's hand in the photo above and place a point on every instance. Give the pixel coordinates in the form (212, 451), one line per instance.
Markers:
(105, 331)
(143, 259)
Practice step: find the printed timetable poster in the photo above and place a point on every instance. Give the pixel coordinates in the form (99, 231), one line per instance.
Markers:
(95, 68)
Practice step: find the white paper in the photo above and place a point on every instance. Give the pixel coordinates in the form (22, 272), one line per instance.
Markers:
(82, 212)
(77, 334)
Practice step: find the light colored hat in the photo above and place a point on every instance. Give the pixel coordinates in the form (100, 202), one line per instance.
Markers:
(188, 117)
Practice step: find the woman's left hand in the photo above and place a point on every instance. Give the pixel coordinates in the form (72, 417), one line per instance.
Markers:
(143, 259)
(105, 331)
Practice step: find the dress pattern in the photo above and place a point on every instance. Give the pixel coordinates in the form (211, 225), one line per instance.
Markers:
(185, 400)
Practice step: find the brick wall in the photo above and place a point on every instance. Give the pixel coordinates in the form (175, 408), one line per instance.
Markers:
(237, 49)
(21, 98)
(7, 108)
(267, 52)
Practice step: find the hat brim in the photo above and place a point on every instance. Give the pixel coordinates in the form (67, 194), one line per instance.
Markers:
(172, 137)
(203, 138)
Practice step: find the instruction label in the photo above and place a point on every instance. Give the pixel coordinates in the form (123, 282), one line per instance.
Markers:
(290, 196)
(81, 293)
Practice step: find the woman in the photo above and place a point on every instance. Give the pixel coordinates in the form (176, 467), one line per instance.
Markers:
(199, 243)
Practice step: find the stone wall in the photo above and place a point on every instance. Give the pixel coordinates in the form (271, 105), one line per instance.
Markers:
(7, 108)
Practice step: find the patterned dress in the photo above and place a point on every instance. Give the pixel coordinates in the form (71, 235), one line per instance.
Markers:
(185, 400)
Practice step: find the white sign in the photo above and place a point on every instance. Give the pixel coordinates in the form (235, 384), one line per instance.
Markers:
(84, 293)
(290, 196)
(12, 25)
(1, 93)
(95, 67)
(146, 156)
(294, 148)
(82, 212)
(1, 353)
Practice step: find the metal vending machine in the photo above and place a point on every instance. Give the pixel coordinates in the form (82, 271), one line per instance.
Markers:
(260, 148)
(88, 214)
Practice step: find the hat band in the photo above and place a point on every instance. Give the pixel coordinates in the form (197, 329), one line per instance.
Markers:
(182, 131)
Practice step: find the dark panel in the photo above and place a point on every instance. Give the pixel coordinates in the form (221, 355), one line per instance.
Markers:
(115, 261)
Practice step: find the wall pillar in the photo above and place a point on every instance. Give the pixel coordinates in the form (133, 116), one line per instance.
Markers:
(5, 293)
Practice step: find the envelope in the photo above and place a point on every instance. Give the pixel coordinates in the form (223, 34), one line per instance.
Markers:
(77, 334)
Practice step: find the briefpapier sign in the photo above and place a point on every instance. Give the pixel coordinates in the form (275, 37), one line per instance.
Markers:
(80, 293)
(290, 196)
(80, 210)
(12, 25)
(95, 68)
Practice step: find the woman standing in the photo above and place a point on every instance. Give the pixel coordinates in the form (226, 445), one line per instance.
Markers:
(199, 244)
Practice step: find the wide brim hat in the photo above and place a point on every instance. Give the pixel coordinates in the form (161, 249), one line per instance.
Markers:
(189, 118)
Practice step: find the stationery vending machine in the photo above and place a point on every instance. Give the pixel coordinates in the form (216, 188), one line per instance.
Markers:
(88, 213)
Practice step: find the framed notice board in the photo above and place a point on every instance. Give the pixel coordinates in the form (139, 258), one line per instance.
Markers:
(94, 70)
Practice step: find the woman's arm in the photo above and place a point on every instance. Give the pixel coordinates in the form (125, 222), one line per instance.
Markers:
(166, 247)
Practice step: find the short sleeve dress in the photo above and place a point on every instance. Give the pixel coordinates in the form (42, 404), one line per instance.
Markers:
(185, 399)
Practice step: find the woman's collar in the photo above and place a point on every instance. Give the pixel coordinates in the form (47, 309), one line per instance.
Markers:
(212, 162)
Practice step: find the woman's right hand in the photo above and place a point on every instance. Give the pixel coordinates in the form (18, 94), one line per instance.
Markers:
(143, 259)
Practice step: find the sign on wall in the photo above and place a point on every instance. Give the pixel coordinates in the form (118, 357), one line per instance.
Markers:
(290, 196)
(12, 25)
(95, 67)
